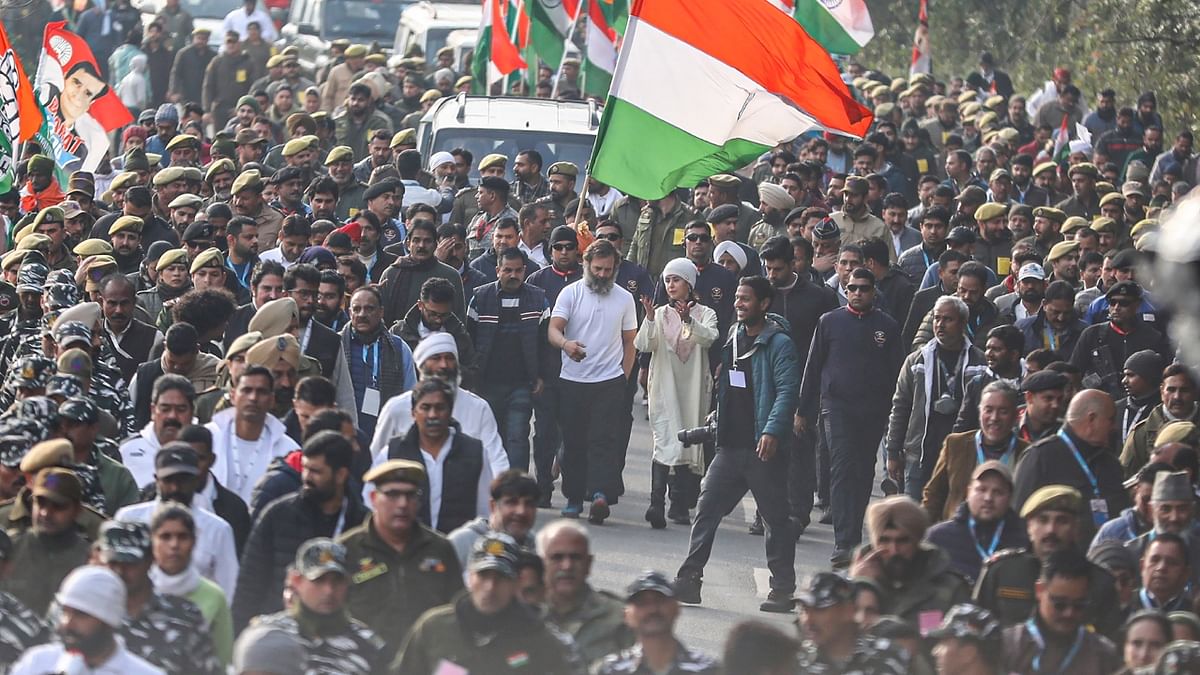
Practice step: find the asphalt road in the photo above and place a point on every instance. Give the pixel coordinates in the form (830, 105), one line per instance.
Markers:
(735, 581)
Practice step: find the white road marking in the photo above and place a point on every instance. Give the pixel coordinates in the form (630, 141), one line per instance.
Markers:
(762, 581)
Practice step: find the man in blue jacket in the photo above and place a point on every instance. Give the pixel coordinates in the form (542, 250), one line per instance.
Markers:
(756, 401)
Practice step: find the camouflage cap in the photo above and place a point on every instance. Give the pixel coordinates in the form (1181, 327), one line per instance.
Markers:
(826, 589)
(652, 581)
(70, 332)
(968, 622)
(79, 409)
(319, 556)
(65, 386)
(122, 541)
(31, 372)
(497, 552)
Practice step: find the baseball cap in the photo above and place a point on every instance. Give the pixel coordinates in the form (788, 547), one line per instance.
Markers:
(122, 541)
(176, 458)
(968, 622)
(495, 551)
(996, 466)
(826, 589)
(650, 581)
(320, 556)
(79, 409)
(1031, 271)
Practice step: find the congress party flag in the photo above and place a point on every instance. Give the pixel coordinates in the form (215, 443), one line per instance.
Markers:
(20, 116)
(731, 81)
(600, 54)
(921, 60)
(79, 105)
(840, 26)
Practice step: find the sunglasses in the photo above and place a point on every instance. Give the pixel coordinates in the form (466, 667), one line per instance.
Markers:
(859, 288)
(699, 237)
(564, 247)
(1121, 303)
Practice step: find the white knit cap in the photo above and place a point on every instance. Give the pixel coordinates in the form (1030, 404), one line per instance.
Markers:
(96, 591)
(440, 158)
(434, 344)
(682, 268)
(734, 251)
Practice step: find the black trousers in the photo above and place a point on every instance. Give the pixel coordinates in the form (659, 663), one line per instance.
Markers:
(547, 439)
(594, 439)
(734, 471)
(802, 476)
(853, 437)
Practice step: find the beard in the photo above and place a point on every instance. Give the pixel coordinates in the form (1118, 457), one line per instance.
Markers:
(88, 645)
(316, 495)
(597, 285)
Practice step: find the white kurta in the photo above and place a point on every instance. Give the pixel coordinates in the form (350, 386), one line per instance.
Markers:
(679, 391)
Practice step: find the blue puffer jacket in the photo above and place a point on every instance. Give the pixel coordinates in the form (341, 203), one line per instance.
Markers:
(774, 376)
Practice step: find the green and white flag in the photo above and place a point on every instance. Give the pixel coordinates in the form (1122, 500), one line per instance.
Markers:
(20, 114)
(841, 26)
(549, 26)
(600, 54)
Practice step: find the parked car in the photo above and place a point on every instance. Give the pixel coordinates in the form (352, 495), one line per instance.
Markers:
(427, 26)
(558, 130)
(313, 24)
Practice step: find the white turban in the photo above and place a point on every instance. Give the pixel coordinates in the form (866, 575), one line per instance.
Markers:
(434, 344)
(734, 252)
(681, 267)
(1080, 146)
(440, 158)
(775, 196)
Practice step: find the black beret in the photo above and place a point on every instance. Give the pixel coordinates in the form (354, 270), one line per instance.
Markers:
(1043, 380)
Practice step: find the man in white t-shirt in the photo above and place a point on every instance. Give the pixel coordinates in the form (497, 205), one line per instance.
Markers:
(593, 323)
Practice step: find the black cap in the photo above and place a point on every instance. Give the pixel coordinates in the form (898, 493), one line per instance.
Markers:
(1043, 380)
(1124, 259)
(962, 235)
(826, 589)
(495, 183)
(564, 233)
(176, 458)
(972, 194)
(383, 186)
(198, 230)
(826, 229)
(157, 249)
(1125, 288)
(722, 212)
(285, 174)
(650, 581)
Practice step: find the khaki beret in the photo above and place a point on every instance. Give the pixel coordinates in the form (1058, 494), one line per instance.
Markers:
(25, 231)
(395, 470)
(987, 119)
(57, 452)
(91, 247)
(1179, 431)
(1112, 197)
(463, 81)
(356, 51)
(494, 159)
(183, 141)
(1061, 249)
(377, 59)
(1133, 187)
(971, 108)
(968, 120)
(33, 241)
(1086, 168)
(406, 137)
(243, 342)
(97, 267)
(50, 214)
(295, 146)
(175, 256)
(898, 84)
(12, 258)
(340, 153)
(300, 118)
(967, 97)
(1143, 226)
(936, 101)
(924, 78)
(1044, 166)
(1050, 213)
(192, 174)
(430, 96)
(168, 175)
(1071, 224)
(75, 362)
(223, 165)
(563, 169)
(1053, 498)
(1008, 134)
(270, 351)
(1104, 187)
(207, 258)
(725, 180)
(185, 200)
(249, 180)
(885, 109)
(154, 159)
(1104, 224)
(994, 102)
(127, 224)
(989, 211)
(859, 82)
(275, 317)
(276, 61)
(123, 180)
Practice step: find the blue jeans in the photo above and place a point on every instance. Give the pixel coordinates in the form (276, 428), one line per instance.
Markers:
(915, 478)
(512, 405)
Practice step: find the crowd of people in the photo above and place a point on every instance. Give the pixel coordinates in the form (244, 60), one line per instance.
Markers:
(283, 393)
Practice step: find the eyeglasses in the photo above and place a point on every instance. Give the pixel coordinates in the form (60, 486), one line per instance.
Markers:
(859, 288)
(1063, 604)
(610, 237)
(699, 237)
(398, 494)
(303, 293)
(564, 247)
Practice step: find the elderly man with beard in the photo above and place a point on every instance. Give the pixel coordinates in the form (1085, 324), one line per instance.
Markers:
(322, 508)
(982, 524)
(1007, 582)
(92, 601)
(651, 611)
(917, 578)
(437, 356)
(594, 324)
(176, 479)
(1178, 391)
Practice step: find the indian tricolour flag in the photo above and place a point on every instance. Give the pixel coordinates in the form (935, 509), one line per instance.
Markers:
(20, 114)
(496, 53)
(841, 26)
(600, 57)
(731, 80)
(550, 24)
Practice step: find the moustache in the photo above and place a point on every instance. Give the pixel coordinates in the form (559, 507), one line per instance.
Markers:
(435, 422)
(172, 424)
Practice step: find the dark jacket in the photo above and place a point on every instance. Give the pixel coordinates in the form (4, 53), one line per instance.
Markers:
(401, 287)
(803, 304)
(383, 260)
(922, 304)
(1034, 329)
(285, 524)
(134, 349)
(408, 329)
(460, 477)
(963, 543)
(1101, 352)
(227, 505)
(483, 323)
(852, 364)
(899, 291)
(774, 377)
(487, 263)
(239, 323)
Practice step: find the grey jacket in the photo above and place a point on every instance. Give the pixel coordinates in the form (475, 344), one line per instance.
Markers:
(911, 404)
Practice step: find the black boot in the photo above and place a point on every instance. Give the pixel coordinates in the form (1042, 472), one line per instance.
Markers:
(658, 495)
(685, 488)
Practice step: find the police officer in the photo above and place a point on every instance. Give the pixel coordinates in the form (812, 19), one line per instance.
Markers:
(725, 189)
(561, 177)
(968, 641)
(333, 641)
(833, 640)
(400, 568)
(651, 611)
(20, 628)
(660, 233)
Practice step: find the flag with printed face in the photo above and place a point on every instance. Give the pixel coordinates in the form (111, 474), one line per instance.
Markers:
(79, 105)
(20, 116)
(921, 61)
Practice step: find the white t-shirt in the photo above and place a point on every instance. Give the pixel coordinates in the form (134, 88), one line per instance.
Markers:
(596, 321)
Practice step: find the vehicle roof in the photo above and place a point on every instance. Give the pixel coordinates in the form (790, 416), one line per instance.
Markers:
(443, 14)
(510, 112)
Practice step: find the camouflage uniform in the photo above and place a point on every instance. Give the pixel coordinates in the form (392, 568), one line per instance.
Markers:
(111, 392)
(171, 634)
(354, 649)
(629, 662)
(876, 656)
(24, 339)
(20, 629)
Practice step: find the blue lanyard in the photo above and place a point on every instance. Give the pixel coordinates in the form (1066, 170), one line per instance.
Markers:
(985, 554)
(1036, 634)
(241, 276)
(1051, 339)
(367, 349)
(1005, 458)
(928, 262)
(1087, 471)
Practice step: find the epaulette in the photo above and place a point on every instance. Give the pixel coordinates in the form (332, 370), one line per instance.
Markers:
(464, 191)
(1006, 553)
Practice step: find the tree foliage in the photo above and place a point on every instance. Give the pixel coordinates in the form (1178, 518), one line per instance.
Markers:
(1129, 45)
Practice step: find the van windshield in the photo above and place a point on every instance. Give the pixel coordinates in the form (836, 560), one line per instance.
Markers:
(554, 147)
(370, 19)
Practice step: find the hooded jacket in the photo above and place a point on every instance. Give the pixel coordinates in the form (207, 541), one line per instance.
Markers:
(774, 376)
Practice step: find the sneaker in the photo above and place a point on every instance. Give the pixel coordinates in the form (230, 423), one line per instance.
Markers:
(826, 517)
(779, 602)
(654, 516)
(756, 528)
(840, 558)
(572, 510)
(687, 589)
(599, 511)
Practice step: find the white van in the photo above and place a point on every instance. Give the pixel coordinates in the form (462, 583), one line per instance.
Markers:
(428, 26)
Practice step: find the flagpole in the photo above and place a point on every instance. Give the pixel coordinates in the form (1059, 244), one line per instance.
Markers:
(570, 37)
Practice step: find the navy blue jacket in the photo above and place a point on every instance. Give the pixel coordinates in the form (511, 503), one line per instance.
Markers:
(483, 323)
(852, 363)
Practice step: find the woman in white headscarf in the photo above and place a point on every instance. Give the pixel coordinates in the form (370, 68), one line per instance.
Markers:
(677, 336)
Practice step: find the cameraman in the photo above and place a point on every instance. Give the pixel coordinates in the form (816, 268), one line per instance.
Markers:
(758, 384)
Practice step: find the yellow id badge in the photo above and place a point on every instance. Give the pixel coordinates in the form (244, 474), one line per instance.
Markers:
(241, 75)
(1003, 265)
(923, 166)
(677, 237)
